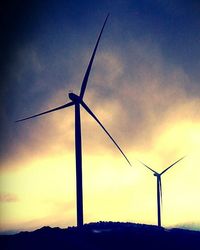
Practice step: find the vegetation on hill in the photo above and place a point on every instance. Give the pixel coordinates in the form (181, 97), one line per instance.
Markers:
(104, 236)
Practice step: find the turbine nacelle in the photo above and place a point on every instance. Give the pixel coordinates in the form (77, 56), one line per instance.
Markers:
(75, 98)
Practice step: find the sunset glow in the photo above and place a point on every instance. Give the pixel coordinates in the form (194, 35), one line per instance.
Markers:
(148, 102)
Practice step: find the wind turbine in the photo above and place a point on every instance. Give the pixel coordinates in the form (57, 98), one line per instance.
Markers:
(77, 100)
(159, 186)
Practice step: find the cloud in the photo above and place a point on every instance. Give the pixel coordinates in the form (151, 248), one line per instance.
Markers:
(136, 97)
(142, 102)
(8, 197)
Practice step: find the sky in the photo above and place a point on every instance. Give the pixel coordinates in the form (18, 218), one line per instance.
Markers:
(144, 87)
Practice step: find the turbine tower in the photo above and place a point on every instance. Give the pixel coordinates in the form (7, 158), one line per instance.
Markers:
(159, 186)
(77, 100)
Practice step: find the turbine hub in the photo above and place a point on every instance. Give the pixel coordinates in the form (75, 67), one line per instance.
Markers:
(75, 98)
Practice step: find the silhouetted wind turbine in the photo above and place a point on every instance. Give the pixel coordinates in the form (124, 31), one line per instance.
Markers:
(77, 100)
(159, 186)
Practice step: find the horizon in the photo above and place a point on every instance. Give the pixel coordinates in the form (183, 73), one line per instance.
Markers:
(144, 87)
(185, 227)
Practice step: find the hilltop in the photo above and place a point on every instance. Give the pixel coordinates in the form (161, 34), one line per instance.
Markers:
(104, 236)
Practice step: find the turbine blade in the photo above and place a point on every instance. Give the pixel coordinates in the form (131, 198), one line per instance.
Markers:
(172, 165)
(48, 111)
(160, 185)
(87, 73)
(148, 167)
(97, 120)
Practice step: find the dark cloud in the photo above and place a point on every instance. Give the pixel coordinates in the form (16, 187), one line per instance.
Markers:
(149, 51)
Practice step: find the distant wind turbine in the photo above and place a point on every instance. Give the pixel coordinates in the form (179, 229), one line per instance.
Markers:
(77, 100)
(159, 186)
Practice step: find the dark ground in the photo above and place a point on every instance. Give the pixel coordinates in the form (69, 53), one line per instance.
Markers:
(104, 236)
